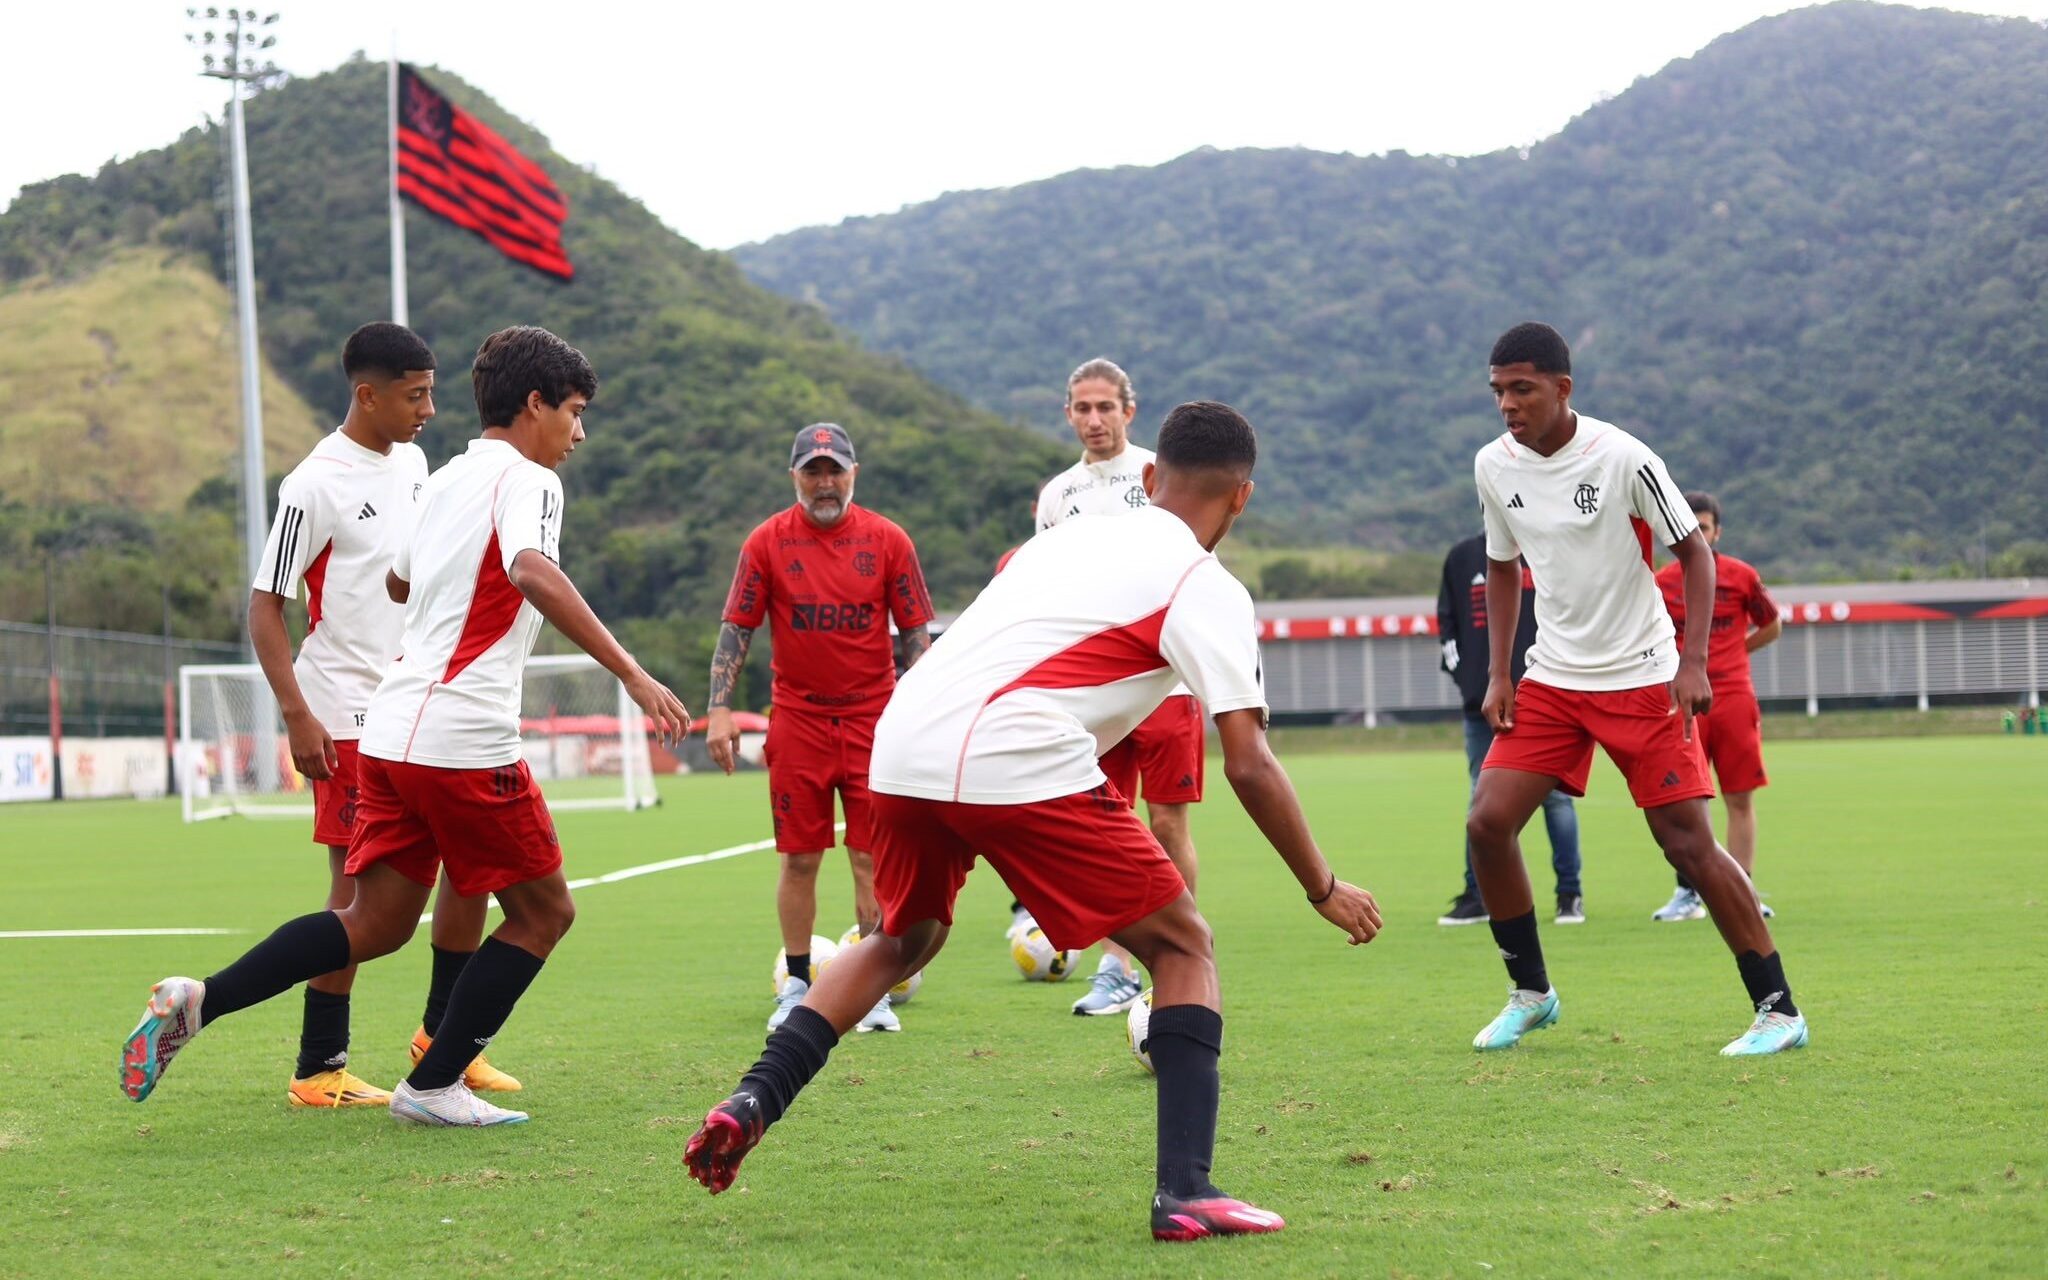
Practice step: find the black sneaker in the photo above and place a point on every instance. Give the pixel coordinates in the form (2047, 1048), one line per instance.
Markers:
(1466, 908)
(1571, 909)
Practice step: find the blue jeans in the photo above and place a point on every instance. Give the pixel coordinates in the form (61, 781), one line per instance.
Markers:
(1559, 818)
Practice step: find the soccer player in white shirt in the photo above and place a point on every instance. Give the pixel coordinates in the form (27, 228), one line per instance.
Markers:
(442, 778)
(342, 515)
(989, 747)
(1580, 500)
(1166, 751)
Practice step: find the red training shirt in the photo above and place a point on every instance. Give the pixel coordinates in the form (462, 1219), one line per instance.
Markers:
(828, 595)
(1740, 601)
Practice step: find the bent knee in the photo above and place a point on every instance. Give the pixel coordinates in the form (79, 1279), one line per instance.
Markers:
(801, 866)
(1488, 830)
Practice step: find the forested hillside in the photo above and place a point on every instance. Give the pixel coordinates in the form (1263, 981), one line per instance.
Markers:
(705, 376)
(1808, 264)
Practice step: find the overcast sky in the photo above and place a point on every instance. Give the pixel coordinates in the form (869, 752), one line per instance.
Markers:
(735, 121)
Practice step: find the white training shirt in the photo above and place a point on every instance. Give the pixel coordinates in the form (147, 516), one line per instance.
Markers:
(1584, 519)
(342, 515)
(1080, 637)
(1114, 487)
(452, 698)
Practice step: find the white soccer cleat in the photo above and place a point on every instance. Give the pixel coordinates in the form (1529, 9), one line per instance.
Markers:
(1685, 904)
(169, 1020)
(880, 1018)
(454, 1107)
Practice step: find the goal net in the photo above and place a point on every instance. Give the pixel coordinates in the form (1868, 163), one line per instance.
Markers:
(584, 739)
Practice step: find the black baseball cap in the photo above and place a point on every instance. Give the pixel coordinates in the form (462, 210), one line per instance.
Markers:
(821, 440)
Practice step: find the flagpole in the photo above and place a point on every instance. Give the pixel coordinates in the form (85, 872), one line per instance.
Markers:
(398, 290)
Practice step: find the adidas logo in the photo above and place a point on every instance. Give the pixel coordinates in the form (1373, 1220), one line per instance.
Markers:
(1187, 780)
(366, 512)
(1515, 503)
(1671, 779)
(1769, 1002)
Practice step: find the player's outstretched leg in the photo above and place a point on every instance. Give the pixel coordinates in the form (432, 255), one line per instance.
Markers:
(458, 931)
(1186, 1040)
(797, 1049)
(1502, 802)
(1682, 831)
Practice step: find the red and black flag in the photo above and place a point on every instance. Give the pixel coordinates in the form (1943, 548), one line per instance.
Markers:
(452, 164)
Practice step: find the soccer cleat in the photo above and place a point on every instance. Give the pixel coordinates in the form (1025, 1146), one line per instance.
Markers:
(1466, 908)
(1526, 1011)
(1764, 907)
(1111, 990)
(337, 1088)
(1213, 1216)
(169, 1020)
(1571, 909)
(1685, 904)
(1021, 923)
(1770, 1033)
(479, 1075)
(792, 994)
(454, 1107)
(880, 1018)
(730, 1130)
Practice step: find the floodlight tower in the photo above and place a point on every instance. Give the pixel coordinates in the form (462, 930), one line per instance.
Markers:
(230, 44)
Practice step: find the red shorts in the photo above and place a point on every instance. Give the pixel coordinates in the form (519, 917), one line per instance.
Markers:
(334, 801)
(491, 825)
(1555, 730)
(1733, 733)
(1083, 864)
(809, 757)
(1166, 748)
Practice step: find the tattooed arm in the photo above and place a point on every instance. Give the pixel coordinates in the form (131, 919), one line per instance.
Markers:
(910, 646)
(726, 661)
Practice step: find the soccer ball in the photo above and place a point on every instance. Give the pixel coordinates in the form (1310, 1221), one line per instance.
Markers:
(1038, 960)
(898, 994)
(822, 951)
(1139, 1028)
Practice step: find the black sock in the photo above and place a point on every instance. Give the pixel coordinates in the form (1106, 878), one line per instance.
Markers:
(447, 968)
(491, 983)
(1765, 978)
(1516, 939)
(323, 1035)
(300, 949)
(1684, 883)
(1186, 1040)
(800, 966)
(795, 1052)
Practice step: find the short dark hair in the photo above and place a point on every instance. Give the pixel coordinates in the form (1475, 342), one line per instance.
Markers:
(1700, 500)
(513, 363)
(1532, 343)
(384, 350)
(1206, 435)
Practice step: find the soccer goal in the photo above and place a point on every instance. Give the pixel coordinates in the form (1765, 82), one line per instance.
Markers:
(584, 739)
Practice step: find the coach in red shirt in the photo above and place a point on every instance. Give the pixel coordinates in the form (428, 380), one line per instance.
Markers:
(1745, 620)
(828, 577)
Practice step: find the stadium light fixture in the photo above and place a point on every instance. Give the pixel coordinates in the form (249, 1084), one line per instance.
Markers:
(237, 64)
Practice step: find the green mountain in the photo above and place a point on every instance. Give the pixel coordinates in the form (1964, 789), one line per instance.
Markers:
(1809, 265)
(704, 376)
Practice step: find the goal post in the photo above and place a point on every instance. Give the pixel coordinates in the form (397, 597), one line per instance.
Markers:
(582, 736)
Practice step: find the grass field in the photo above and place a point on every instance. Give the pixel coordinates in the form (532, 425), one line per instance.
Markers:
(999, 1136)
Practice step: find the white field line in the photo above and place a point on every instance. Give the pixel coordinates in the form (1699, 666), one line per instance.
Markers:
(112, 933)
(609, 877)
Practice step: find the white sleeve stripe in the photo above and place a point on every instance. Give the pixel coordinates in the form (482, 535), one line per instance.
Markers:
(1663, 504)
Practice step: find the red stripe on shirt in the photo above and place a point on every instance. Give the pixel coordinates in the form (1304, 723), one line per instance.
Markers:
(493, 608)
(316, 582)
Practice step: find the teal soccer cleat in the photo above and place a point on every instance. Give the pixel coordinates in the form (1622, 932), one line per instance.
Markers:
(1770, 1033)
(1526, 1011)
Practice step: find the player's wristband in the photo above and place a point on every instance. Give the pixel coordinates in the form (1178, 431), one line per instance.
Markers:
(1317, 902)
